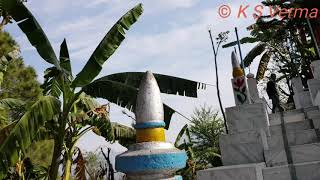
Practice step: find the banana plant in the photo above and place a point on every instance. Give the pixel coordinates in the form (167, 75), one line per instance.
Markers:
(63, 109)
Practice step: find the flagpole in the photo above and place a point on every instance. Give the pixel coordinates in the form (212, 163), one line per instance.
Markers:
(240, 52)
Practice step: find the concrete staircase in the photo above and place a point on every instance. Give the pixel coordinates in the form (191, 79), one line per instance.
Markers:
(302, 138)
(304, 147)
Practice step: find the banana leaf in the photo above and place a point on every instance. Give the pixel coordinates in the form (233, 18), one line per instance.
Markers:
(180, 135)
(242, 41)
(123, 134)
(51, 85)
(263, 65)
(32, 29)
(120, 94)
(25, 130)
(256, 51)
(65, 59)
(167, 84)
(107, 47)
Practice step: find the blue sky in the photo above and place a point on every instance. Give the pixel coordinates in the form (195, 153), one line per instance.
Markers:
(170, 37)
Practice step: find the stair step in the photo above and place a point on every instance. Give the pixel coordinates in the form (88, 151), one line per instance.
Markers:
(291, 127)
(298, 137)
(289, 117)
(304, 171)
(235, 172)
(300, 154)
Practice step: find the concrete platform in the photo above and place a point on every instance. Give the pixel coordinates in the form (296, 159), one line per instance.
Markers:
(238, 172)
(243, 148)
(253, 117)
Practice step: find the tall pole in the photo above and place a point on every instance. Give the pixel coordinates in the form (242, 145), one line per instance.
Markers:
(313, 38)
(217, 82)
(240, 52)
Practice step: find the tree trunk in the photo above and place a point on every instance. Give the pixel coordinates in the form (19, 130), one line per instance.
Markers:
(53, 172)
(58, 147)
(67, 169)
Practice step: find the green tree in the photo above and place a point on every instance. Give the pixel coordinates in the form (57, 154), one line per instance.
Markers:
(20, 82)
(200, 139)
(284, 46)
(206, 127)
(66, 110)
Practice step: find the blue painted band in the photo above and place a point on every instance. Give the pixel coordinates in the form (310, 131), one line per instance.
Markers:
(150, 125)
(135, 164)
(178, 178)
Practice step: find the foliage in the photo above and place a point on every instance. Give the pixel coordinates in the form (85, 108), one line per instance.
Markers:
(107, 47)
(20, 82)
(282, 42)
(79, 113)
(205, 130)
(200, 139)
(40, 152)
(20, 87)
(25, 130)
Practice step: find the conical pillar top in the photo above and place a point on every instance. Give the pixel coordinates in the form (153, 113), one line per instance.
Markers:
(149, 107)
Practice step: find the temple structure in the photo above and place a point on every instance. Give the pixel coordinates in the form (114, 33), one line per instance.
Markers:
(151, 157)
(262, 146)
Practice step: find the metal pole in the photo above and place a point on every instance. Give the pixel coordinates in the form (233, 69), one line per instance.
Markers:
(313, 37)
(217, 82)
(240, 52)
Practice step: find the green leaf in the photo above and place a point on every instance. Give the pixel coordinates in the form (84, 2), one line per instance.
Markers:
(11, 103)
(263, 65)
(51, 85)
(30, 26)
(167, 84)
(120, 94)
(5, 132)
(86, 103)
(180, 135)
(115, 92)
(242, 41)
(26, 129)
(107, 47)
(256, 51)
(65, 58)
(123, 134)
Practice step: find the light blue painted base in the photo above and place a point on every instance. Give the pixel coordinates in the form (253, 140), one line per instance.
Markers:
(178, 178)
(151, 162)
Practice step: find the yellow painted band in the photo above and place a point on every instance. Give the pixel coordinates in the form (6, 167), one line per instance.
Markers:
(237, 72)
(150, 134)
